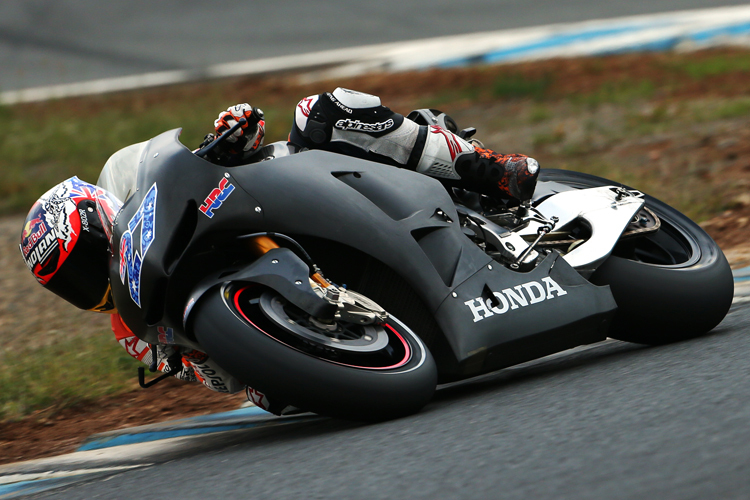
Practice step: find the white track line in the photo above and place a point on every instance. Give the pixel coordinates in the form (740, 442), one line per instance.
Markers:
(682, 30)
(17, 478)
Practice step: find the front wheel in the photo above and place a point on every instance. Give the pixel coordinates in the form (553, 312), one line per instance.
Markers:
(669, 285)
(345, 370)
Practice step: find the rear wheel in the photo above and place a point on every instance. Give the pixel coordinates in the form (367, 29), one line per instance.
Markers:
(342, 369)
(669, 285)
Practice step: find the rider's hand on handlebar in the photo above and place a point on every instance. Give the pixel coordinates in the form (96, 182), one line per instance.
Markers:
(246, 138)
(227, 119)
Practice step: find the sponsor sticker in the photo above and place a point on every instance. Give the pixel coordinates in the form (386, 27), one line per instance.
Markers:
(258, 398)
(306, 104)
(84, 219)
(165, 335)
(304, 110)
(33, 232)
(216, 198)
(210, 377)
(454, 145)
(338, 104)
(349, 124)
(510, 299)
(39, 259)
(137, 348)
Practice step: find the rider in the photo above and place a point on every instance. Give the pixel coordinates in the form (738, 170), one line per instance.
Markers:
(66, 241)
(357, 124)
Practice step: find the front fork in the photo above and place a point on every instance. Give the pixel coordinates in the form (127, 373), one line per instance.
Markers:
(351, 306)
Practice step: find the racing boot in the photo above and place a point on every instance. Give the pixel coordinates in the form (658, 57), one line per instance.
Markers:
(458, 162)
(495, 174)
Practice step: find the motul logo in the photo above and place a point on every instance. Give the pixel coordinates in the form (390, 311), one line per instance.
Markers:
(509, 299)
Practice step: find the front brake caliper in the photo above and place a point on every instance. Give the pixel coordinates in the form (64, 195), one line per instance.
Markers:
(352, 306)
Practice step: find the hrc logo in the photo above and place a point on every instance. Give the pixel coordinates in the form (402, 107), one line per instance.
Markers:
(166, 335)
(216, 198)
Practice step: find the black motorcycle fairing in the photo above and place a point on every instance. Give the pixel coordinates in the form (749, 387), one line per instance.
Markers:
(149, 277)
(409, 223)
(398, 217)
(524, 317)
(279, 269)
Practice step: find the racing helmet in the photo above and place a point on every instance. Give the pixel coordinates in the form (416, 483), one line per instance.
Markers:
(66, 243)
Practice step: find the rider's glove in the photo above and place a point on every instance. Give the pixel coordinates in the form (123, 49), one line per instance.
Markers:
(169, 359)
(246, 139)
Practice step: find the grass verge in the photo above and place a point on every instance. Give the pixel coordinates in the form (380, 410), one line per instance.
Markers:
(70, 372)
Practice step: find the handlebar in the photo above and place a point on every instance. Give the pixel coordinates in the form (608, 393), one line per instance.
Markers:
(255, 118)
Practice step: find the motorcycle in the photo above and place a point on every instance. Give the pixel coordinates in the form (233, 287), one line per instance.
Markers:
(350, 288)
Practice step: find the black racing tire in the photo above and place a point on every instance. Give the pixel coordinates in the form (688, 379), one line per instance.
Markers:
(394, 378)
(670, 285)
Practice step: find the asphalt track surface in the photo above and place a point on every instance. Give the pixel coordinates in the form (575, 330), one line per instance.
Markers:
(612, 420)
(48, 42)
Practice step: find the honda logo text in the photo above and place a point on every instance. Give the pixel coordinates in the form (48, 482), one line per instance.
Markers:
(510, 299)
